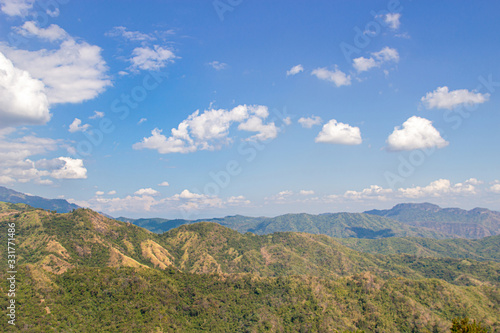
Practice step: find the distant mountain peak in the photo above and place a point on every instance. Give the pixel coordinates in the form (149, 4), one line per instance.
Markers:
(59, 205)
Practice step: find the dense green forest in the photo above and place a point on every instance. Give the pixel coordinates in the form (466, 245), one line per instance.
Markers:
(83, 272)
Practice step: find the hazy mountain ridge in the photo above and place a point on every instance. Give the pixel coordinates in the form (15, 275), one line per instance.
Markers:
(59, 205)
(341, 225)
(474, 223)
(83, 271)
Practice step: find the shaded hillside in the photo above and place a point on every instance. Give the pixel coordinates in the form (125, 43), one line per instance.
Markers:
(335, 225)
(84, 272)
(59, 205)
(487, 248)
(475, 223)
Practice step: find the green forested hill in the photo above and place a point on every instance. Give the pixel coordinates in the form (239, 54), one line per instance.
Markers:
(82, 272)
(335, 225)
(487, 248)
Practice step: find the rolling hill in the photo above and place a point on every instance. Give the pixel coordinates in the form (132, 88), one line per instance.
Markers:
(342, 225)
(82, 271)
(475, 223)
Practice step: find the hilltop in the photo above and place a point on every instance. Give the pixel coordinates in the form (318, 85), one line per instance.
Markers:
(82, 271)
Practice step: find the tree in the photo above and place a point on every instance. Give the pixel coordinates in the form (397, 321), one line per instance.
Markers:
(465, 326)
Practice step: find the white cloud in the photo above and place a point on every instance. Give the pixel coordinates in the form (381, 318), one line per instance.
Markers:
(147, 58)
(417, 133)
(22, 97)
(387, 54)
(306, 192)
(134, 36)
(76, 126)
(338, 77)
(339, 133)
(164, 184)
(218, 65)
(112, 192)
(183, 203)
(237, 201)
(362, 64)
(442, 98)
(147, 191)
(310, 121)
(51, 33)
(255, 124)
(495, 188)
(16, 7)
(99, 193)
(141, 121)
(72, 73)
(373, 192)
(209, 130)
(18, 164)
(392, 20)
(72, 169)
(295, 70)
(437, 188)
(97, 114)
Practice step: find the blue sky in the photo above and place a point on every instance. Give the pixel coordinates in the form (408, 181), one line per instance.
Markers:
(209, 108)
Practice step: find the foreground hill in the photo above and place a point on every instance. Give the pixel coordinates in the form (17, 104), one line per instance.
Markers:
(475, 223)
(59, 205)
(82, 272)
(342, 225)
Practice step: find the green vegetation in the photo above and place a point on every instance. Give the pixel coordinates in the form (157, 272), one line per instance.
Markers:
(82, 272)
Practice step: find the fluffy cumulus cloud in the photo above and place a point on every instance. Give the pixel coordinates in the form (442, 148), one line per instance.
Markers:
(147, 58)
(310, 121)
(72, 73)
(71, 169)
(373, 192)
(51, 33)
(147, 191)
(377, 59)
(336, 76)
(164, 184)
(20, 161)
(16, 7)
(295, 70)
(209, 130)
(495, 187)
(416, 133)
(22, 98)
(443, 98)
(339, 133)
(438, 188)
(184, 204)
(392, 20)
(76, 126)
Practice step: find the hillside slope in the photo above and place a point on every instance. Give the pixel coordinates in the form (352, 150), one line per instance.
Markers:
(81, 271)
(341, 225)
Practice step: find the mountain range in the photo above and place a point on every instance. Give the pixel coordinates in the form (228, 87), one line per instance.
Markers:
(403, 220)
(59, 205)
(81, 271)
